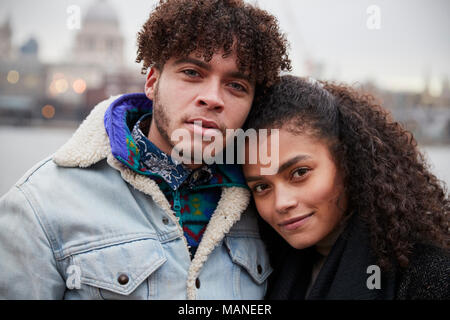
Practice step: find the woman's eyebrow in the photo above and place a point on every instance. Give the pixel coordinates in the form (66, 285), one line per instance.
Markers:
(253, 178)
(283, 167)
(293, 161)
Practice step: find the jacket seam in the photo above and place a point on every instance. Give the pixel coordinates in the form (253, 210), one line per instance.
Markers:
(50, 240)
(118, 240)
(44, 162)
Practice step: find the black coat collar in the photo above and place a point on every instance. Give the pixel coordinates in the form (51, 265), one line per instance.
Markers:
(343, 275)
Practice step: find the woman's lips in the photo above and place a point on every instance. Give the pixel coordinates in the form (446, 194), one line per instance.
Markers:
(294, 223)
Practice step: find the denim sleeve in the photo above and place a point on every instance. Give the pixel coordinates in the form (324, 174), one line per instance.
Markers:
(28, 268)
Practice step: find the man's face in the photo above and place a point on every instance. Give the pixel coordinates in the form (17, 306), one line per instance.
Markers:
(189, 90)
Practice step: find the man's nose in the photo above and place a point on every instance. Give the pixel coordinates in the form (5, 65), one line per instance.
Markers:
(211, 96)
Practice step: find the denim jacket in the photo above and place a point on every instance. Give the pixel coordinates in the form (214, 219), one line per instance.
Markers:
(82, 225)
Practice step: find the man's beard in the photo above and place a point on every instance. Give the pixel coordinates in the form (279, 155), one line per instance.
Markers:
(162, 123)
(161, 118)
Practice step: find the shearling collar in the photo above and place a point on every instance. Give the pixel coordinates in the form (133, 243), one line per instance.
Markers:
(90, 144)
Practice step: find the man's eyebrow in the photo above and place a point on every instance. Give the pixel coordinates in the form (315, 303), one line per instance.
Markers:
(206, 66)
(198, 63)
(283, 167)
(239, 75)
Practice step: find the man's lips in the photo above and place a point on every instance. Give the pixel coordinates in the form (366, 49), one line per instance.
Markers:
(205, 123)
(296, 222)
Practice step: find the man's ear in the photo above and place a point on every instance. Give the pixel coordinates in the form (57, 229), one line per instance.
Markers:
(150, 84)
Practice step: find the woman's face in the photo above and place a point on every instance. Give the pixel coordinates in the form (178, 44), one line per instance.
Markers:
(304, 201)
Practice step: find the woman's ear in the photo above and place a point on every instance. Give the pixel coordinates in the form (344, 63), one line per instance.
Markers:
(150, 84)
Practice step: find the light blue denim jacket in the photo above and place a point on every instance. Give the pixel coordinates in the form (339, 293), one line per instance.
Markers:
(81, 225)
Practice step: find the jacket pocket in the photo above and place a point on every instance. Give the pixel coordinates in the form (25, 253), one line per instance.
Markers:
(120, 271)
(251, 254)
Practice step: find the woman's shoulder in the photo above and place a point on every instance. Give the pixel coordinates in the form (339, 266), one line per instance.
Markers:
(428, 274)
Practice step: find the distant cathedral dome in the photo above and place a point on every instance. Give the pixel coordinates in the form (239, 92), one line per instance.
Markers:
(101, 11)
(100, 41)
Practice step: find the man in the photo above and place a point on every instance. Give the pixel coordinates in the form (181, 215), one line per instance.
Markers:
(112, 215)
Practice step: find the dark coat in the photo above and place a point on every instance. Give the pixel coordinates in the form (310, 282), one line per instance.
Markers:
(344, 274)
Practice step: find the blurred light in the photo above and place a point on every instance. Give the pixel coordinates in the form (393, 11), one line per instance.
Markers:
(48, 111)
(52, 89)
(13, 76)
(79, 86)
(61, 85)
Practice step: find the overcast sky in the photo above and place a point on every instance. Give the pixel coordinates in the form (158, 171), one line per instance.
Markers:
(413, 39)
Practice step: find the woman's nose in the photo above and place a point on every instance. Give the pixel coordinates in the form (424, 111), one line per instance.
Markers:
(285, 200)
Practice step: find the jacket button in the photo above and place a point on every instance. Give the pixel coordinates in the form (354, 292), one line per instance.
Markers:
(259, 268)
(197, 283)
(165, 220)
(123, 279)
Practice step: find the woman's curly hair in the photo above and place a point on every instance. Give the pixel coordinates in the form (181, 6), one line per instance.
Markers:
(387, 179)
(177, 28)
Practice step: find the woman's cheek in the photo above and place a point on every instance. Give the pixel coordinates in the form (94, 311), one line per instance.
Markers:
(264, 210)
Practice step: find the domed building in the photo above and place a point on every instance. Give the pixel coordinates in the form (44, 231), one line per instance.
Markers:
(99, 41)
(96, 68)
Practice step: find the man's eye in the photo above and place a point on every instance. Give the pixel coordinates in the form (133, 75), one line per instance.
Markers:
(191, 73)
(237, 86)
(300, 172)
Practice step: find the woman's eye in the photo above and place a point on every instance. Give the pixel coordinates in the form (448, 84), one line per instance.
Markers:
(191, 73)
(260, 188)
(300, 172)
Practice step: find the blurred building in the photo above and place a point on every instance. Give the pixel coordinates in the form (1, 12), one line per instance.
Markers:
(68, 90)
(22, 78)
(96, 69)
(100, 42)
(5, 40)
(424, 114)
(445, 92)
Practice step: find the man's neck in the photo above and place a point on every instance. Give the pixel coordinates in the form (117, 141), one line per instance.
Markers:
(161, 143)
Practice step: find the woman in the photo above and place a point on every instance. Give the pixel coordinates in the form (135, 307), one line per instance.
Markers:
(353, 209)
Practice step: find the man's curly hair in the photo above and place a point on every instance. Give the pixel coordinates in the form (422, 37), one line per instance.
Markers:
(387, 180)
(176, 28)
